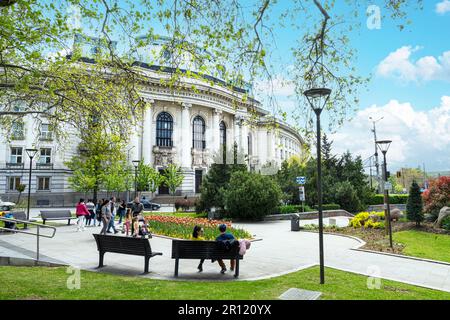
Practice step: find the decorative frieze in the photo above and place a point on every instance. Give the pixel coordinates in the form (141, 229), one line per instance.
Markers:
(164, 155)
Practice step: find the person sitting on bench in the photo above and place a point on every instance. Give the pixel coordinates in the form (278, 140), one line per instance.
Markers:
(224, 236)
(197, 234)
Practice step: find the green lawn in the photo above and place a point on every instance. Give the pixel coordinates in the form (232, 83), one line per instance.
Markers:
(50, 283)
(424, 244)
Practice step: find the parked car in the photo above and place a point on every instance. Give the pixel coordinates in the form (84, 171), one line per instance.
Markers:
(147, 205)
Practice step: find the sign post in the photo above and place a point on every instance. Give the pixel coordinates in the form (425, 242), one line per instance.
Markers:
(301, 191)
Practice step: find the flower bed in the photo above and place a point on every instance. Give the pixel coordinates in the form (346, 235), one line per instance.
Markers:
(368, 220)
(181, 227)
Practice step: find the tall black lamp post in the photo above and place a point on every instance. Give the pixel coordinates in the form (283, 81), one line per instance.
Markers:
(318, 98)
(136, 165)
(31, 154)
(384, 147)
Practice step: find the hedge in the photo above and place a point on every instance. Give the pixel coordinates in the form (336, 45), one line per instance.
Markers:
(378, 199)
(292, 209)
(329, 206)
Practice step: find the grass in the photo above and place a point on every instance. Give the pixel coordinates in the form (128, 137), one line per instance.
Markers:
(50, 283)
(424, 244)
(176, 214)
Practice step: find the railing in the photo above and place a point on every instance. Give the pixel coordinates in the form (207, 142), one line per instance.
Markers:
(37, 234)
(43, 166)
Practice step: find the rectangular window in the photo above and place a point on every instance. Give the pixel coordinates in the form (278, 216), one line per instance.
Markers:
(46, 133)
(45, 156)
(43, 183)
(13, 182)
(17, 131)
(16, 155)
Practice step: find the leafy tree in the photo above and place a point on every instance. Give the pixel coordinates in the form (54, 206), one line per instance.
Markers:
(173, 177)
(117, 178)
(414, 206)
(99, 151)
(20, 188)
(36, 68)
(148, 178)
(251, 196)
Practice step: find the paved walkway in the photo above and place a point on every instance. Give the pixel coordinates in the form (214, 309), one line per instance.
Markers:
(281, 251)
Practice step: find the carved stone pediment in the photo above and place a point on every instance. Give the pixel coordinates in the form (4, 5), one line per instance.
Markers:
(164, 155)
(200, 158)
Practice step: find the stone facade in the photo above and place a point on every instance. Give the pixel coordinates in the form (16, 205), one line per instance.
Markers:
(212, 103)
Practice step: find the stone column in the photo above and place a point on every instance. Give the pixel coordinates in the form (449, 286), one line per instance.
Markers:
(147, 142)
(186, 136)
(215, 131)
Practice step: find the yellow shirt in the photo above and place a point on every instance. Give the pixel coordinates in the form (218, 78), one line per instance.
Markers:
(198, 239)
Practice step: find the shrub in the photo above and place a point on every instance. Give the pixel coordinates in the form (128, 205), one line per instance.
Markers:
(362, 219)
(347, 196)
(437, 196)
(378, 199)
(184, 204)
(293, 209)
(446, 223)
(251, 196)
(414, 207)
(329, 206)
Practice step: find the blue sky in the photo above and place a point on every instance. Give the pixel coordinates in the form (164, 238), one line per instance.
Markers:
(409, 87)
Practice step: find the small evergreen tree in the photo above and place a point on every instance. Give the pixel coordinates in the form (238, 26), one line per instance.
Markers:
(414, 206)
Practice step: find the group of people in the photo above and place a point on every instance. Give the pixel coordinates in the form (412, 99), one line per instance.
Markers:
(104, 213)
(134, 224)
(224, 237)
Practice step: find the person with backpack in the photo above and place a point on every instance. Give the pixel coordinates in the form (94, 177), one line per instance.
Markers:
(225, 237)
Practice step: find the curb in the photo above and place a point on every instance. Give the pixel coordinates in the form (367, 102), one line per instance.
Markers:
(403, 256)
(23, 262)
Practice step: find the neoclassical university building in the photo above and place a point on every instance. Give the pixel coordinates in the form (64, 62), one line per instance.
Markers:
(184, 127)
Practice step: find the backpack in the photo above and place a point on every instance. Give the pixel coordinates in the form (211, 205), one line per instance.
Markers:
(228, 245)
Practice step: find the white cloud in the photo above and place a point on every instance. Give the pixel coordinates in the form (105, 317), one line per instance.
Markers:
(443, 7)
(418, 136)
(398, 64)
(278, 85)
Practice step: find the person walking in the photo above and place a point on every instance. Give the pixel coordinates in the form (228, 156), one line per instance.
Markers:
(106, 215)
(112, 204)
(121, 211)
(91, 217)
(98, 211)
(81, 213)
(137, 209)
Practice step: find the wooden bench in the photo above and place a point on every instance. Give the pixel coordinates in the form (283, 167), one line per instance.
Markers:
(188, 249)
(56, 215)
(124, 245)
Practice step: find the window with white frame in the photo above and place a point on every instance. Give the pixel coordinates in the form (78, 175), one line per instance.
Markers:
(46, 133)
(44, 183)
(16, 156)
(45, 156)
(13, 183)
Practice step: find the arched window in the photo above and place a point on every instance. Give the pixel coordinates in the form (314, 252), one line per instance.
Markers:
(164, 130)
(250, 144)
(223, 134)
(198, 134)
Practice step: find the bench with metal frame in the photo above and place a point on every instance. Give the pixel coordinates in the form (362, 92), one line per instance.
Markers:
(56, 215)
(191, 249)
(22, 216)
(124, 245)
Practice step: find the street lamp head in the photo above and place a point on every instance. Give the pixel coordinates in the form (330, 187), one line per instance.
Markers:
(136, 163)
(317, 98)
(384, 145)
(31, 152)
